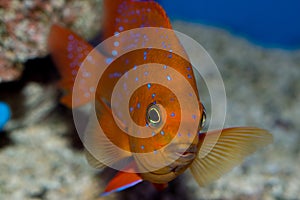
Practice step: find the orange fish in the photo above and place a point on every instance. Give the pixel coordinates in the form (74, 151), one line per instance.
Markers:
(163, 139)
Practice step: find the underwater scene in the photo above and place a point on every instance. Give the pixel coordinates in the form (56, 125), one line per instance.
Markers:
(145, 99)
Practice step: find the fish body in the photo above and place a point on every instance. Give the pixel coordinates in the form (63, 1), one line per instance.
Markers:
(175, 142)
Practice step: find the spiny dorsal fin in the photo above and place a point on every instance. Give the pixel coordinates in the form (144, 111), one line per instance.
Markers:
(122, 15)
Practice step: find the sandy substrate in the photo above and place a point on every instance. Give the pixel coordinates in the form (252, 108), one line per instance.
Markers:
(41, 158)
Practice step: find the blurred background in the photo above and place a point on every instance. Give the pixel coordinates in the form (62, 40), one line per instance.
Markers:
(268, 23)
(256, 46)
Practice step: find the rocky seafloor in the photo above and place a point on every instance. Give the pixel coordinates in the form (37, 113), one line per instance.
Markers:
(41, 156)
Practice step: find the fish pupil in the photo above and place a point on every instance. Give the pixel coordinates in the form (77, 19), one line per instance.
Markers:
(153, 115)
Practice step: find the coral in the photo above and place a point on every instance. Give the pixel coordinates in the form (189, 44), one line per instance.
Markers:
(24, 27)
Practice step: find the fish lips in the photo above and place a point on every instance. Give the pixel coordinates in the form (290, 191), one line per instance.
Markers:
(182, 153)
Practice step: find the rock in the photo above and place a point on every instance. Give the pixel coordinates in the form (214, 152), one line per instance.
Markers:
(261, 88)
(24, 28)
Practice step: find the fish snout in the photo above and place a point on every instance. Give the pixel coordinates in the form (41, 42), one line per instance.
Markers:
(182, 153)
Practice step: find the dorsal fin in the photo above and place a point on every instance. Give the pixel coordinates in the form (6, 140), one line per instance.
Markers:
(122, 15)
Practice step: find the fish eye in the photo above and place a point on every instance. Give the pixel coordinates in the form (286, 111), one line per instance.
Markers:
(153, 116)
(203, 119)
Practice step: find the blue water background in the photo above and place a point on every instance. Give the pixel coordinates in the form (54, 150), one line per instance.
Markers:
(270, 23)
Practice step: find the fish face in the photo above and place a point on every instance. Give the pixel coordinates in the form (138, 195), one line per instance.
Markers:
(184, 157)
(175, 157)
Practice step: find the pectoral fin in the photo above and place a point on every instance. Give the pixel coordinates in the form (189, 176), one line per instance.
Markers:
(233, 145)
(93, 161)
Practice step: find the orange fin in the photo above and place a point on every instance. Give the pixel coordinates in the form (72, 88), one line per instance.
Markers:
(123, 180)
(93, 161)
(68, 51)
(122, 15)
(160, 187)
(106, 145)
(233, 145)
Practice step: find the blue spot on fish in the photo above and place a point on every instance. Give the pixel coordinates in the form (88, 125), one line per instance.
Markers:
(189, 76)
(116, 34)
(115, 75)
(169, 78)
(114, 53)
(138, 105)
(172, 114)
(194, 116)
(108, 60)
(116, 43)
(142, 147)
(162, 132)
(131, 109)
(149, 85)
(70, 37)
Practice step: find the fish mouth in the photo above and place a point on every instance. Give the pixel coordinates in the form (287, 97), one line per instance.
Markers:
(184, 159)
(188, 154)
(183, 153)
